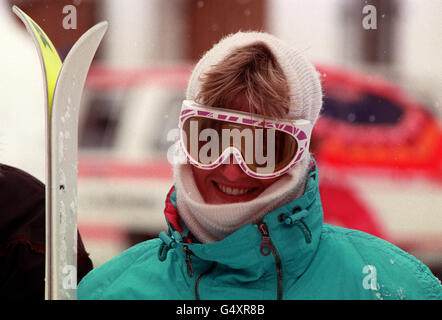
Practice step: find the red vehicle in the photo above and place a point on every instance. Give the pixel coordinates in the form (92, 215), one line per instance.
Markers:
(374, 141)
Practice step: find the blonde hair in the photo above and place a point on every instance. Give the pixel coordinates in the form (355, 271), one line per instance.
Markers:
(251, 70)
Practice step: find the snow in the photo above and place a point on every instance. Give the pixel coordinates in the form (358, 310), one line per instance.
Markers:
(400, 293)
(73, 215)
(60, 147)
(62, 217)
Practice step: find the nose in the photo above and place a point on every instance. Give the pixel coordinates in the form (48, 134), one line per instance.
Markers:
(232, 171)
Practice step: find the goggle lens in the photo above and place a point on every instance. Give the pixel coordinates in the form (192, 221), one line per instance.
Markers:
(263, 150)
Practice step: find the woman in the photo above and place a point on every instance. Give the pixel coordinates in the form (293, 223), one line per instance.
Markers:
(245, 216)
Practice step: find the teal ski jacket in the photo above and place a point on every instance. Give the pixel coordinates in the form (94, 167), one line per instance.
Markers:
(289, 254)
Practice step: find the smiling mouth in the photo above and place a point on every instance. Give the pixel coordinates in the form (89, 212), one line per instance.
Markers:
(234, 191)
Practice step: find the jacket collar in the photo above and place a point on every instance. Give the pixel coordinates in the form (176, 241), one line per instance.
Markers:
(294, 230)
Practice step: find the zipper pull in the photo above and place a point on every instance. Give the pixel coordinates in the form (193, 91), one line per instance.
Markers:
(266, 242)
(188, 261)
(267, 247)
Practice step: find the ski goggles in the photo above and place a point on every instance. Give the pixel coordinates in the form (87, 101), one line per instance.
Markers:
(263, 148)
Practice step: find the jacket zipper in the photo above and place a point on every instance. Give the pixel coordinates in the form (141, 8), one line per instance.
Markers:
(188, 261)
(267, 247)
(190, 271)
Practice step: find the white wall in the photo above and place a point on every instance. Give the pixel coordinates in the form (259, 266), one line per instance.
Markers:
(143, 32)
(420, 45)
(312, 26)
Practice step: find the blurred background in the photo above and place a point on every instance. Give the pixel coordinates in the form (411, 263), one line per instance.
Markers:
(378, 143)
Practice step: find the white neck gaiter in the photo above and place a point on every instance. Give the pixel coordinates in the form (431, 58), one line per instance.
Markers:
(213, 222)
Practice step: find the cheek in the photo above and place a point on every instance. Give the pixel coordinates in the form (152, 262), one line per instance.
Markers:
(200, 177)
(202, 181)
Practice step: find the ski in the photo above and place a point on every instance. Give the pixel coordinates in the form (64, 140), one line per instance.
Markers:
(64, 83)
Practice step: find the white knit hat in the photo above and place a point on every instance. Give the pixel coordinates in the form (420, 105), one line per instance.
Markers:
(302, 77)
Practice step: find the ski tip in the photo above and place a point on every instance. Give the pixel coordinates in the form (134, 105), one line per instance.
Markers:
(97, 30)
(102, 26)
(18, 12)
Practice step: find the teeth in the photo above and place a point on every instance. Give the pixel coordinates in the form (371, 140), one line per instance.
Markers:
(232, 191)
